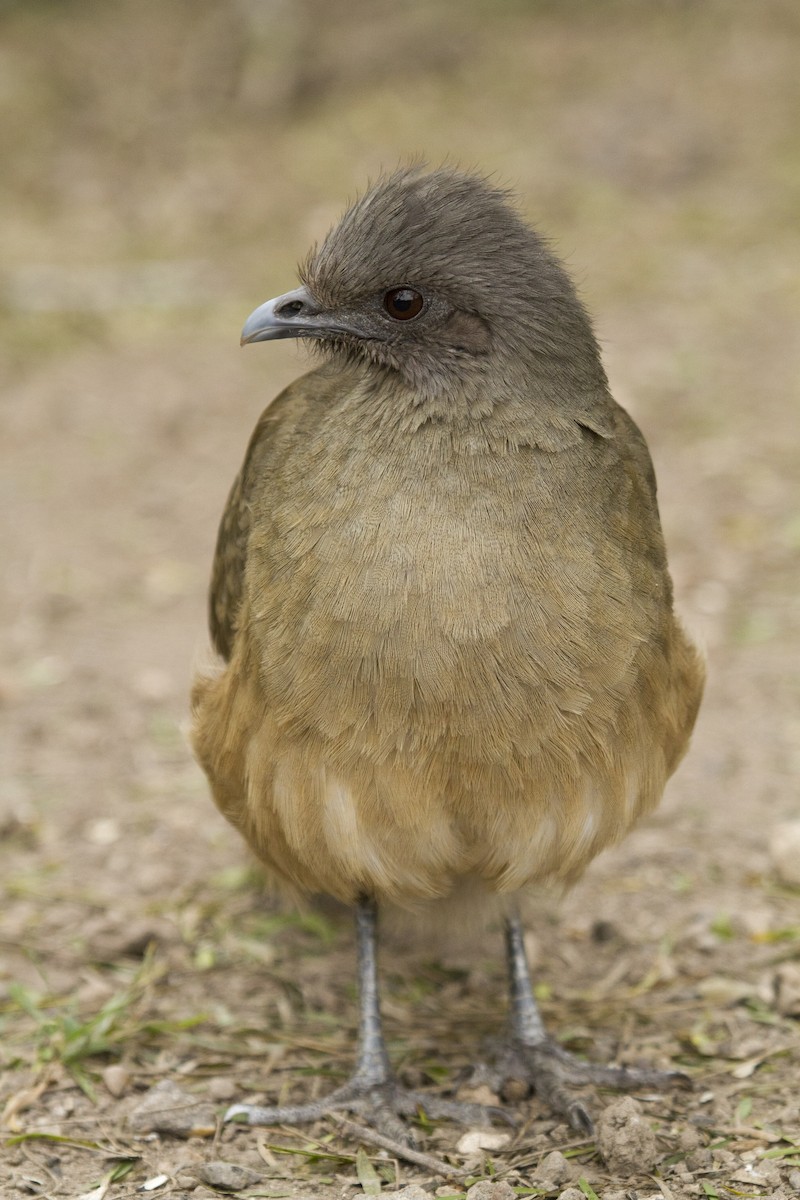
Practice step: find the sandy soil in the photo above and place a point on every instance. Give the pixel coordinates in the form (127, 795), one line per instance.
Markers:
(164, 168)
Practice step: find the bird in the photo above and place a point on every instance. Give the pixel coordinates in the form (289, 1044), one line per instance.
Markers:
(450, 664)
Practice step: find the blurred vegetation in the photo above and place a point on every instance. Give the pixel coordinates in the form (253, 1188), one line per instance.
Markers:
(207, 133)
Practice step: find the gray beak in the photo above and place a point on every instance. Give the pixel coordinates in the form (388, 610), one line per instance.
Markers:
(293, 315)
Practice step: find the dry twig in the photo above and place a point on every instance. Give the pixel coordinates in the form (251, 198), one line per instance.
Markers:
(436, 1166)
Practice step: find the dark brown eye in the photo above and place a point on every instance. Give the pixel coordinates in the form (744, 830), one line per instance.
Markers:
(403, 303)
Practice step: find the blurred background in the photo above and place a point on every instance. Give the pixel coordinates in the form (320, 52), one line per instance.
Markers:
(164, 167)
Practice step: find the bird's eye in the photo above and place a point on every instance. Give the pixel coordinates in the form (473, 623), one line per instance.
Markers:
(403, 303)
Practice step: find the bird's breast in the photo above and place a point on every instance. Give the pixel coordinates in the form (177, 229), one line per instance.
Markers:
(424, 607)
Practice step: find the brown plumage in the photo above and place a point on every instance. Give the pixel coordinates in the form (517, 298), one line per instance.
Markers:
(440, 586)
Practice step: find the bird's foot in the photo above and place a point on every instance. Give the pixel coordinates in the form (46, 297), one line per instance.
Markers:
(381, 1104)
(553, 1074)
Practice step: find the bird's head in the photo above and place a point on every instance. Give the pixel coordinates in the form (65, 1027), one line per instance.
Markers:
(435, 276)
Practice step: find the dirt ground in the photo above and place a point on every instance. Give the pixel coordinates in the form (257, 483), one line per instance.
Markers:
(164, 166)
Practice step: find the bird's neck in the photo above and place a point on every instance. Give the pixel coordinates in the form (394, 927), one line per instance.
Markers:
(490, 408)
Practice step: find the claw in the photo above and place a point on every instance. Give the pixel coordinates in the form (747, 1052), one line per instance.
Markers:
(380, 1105)
(553, 1073)
(239, 1110)
(579, 1119)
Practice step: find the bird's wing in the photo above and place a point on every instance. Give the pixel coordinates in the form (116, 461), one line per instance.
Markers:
(631, 436)
(282, 421)
(230, 555)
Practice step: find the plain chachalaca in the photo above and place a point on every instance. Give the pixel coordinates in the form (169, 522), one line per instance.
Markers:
(442, 599)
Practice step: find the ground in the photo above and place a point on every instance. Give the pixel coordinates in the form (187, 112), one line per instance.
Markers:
(164, 167)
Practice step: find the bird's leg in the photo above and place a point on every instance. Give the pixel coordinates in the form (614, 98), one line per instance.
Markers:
(373, 1068)
(372, 1090)
(535, 1058)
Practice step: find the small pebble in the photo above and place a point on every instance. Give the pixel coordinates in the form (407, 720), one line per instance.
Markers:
(553, 1170)
(700, 1160)
(482, 1139)
(116, 1078)
(486, 1190)
(222, 1176)
(625, 1140)
(221, 1088)
(166, 1108)
(689, 1139)
(761, 1174)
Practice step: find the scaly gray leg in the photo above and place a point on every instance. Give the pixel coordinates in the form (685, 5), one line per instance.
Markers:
(533, 1057)
(372, 1090)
